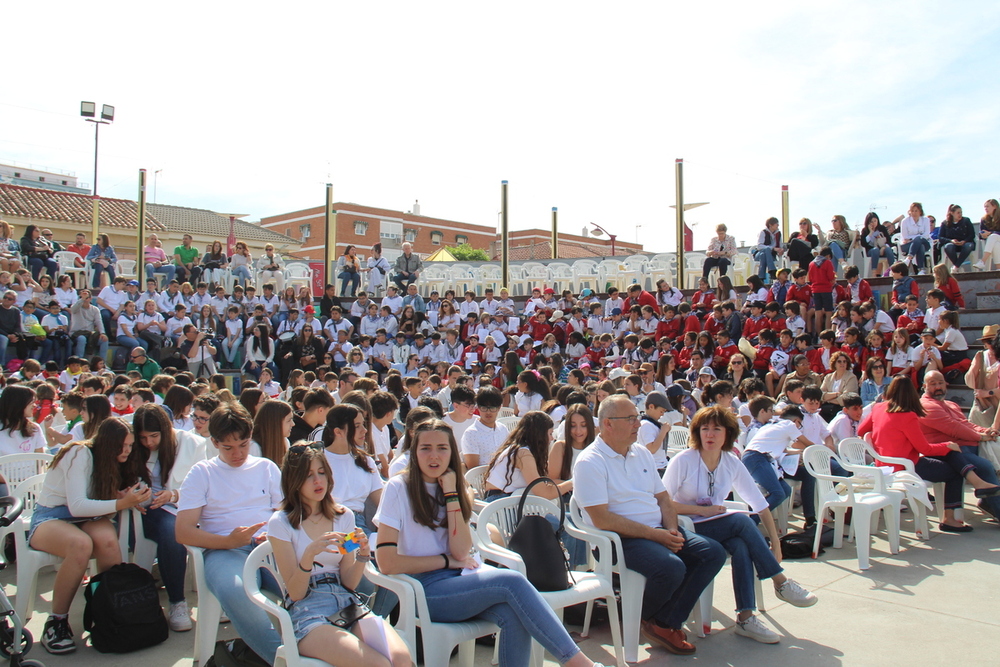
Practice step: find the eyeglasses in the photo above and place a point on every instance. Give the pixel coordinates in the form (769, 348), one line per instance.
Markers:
(299, 449)
(711, 482)
(631, 419)
(485, 409)
(196, 418)
(138, 356)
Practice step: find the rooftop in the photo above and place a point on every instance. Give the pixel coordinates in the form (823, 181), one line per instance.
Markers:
(203, 221)
(49, 205)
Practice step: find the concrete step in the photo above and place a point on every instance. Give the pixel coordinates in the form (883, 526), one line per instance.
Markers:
(988, 299)
(972, 335)
(978, 317)
(960, 394)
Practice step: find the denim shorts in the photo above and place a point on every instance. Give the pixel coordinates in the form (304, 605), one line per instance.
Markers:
(324, 598)
(41, 514)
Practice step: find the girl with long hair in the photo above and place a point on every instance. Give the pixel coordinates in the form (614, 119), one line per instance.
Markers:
(295, 379)
(894, 425)
(989, 231)
(579, 433)
(272, 426)
(944, 281)
(259, 352)
(10, 249)
(311, 527)
(448, 317)
(95, 410)
(214, 262)
(252, 398)
(424, 532)
(87, 482)
(523, 458)
(18, 432)
(306, 349)
(876, 241)
(532, 391)
(39, 253)
(240, 263)
(162, 461)
(349, 271)
(179, 400)
(356, 472)
(699, 480)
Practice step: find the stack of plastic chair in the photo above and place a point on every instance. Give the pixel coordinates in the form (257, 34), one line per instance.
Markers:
(585, 275)
(561, 277)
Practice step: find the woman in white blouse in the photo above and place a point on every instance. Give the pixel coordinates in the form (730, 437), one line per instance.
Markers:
(65, 294)
(86, 483)
(699, 479)
(271, 268)
(915, 236)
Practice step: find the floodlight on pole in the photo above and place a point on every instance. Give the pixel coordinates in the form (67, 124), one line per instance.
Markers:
(89, 112)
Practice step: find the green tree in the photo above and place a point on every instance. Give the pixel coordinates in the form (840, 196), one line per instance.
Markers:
(466, 253)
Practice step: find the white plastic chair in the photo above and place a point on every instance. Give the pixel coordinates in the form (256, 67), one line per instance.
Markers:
(298, 274)
(66, 259)
(587, 586)
(866, 504)
(209, 610)
(609, 271)
(130, 530)
(490, 276)
(661, 267)
(463, 279)
(694, 262)
(509, 422)
(15, 468)
(126, 269)
(634, 270)
(585, 274)
(742, 268)
(535, 275)
(561, 277)
(632, 585)
(287, 654)
(432, 278)
(438, 639)
(505, 412)
(677, 440)
(476, 479)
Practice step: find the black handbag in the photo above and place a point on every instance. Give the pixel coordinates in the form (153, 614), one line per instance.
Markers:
(538, 544)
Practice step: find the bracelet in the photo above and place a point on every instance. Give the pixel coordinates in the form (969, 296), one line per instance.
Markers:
(447, 563)
(309, 571)
(363, 559)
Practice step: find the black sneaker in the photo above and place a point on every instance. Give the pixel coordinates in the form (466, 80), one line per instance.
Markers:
(57, 637)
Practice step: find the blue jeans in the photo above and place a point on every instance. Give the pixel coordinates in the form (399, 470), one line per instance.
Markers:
(503, 597)
(402, 281)
(158, 525)
(765, 258)
(106, 319)
(168, 271)
(738, 535)
(224, 577)
(917, 247)
(958, 253)
(241, 273)
(229, 351)
(97, 274)
(876, 255)
(838, 255)
(985, 470)
(255, 372)
(37, 264)
(57, 351)
(348, 277)
(674, 581)
(81, 347)
(4, 342)
(776, 490)
(130, 343)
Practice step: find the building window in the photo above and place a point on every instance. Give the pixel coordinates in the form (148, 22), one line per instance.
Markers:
(461, 238)
(410, 235)
(360, 227)
(437, 237)
(65, 183)
(41, 179)
(17, 174)
(305, 231)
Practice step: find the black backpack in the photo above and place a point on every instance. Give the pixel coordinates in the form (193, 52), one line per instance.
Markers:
(123, 612)
(800, 544)
(538, 545)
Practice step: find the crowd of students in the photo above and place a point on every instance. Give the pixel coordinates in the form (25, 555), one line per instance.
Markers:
(368, 416)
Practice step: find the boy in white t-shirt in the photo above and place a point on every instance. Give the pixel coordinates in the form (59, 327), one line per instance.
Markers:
(224, 503)
(384, 408)
(926, 356)
(845, 424)
(461, 417)
(652, 434)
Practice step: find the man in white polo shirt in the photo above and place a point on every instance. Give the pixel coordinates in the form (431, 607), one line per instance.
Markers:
(616, 484)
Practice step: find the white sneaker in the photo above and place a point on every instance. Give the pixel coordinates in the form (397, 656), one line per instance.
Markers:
(981, 265)
(755, 629)
(922, 272)
(794, 594)
(179, 617)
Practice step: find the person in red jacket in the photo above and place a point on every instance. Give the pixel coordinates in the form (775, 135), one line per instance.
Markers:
(755, 322)
(765, 348)
(944, 281)
(691, 321)
(716, 321)
(858, 288)
(821, 278)
(670, 324)
(725, 348)
(704, 298)
(894, 425)
(911, 319)
(639, 297)
(772, 315)
(819, 358)
(538, 326)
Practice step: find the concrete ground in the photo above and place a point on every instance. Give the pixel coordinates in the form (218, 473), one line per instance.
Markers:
(933, 603)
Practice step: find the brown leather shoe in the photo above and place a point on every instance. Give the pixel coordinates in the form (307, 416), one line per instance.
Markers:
(674, 641)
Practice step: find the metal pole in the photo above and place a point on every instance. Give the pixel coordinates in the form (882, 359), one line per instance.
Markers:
(141, 243)
(331, 236)
(95, 221)
(555, 233)
(504, 237)
(679, 187)
(784, 214)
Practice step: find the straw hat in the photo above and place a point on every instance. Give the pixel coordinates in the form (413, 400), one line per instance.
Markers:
(990, 332)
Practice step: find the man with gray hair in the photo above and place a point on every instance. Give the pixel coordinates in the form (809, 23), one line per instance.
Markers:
(408, 268)
(616, 484)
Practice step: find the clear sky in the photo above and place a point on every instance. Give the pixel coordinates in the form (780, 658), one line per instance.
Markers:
(252, 107)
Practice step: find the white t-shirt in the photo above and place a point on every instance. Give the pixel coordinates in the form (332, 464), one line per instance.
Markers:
(647, 434)
(814, 428)
(15, 443)
(955, 337)
(380, 436)
(280, 528)
(231, 497)
(399, 463)
(498, 475)
(688, 481)
(773, 438)
(527, 402)
(899, 359)
(351, 484)
(396, 511)
(915, 355)
(483, 441)
(459, 428)
(628, 484)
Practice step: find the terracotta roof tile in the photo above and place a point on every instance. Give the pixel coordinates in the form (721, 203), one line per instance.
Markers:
(41, 204)
(202, 221)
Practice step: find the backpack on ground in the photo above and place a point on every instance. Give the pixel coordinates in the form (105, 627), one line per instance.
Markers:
(800, 544)
(123, 612)
(236, 653)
